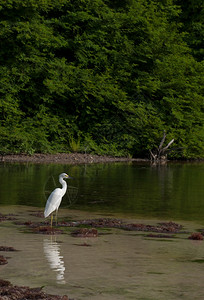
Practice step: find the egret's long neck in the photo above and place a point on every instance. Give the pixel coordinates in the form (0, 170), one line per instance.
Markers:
(64, 185)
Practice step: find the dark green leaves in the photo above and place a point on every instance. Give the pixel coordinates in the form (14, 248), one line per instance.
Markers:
(115, 74)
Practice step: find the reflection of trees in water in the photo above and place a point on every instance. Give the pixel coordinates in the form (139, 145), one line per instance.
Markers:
(52, 253)
(165, 182)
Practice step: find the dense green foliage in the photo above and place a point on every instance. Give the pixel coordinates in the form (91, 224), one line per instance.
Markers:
(103, 76)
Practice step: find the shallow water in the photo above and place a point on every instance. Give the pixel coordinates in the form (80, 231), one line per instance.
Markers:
(117, 264)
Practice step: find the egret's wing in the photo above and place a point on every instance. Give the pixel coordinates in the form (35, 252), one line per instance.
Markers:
(70, 196)
(53, 202)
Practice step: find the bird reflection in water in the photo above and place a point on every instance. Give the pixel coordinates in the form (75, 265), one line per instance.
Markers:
(52, 253)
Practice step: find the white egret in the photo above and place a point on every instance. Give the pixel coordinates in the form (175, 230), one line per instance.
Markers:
(55, 198)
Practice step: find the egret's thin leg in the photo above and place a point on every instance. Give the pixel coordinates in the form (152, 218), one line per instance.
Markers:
(51, 219)
(56, 217)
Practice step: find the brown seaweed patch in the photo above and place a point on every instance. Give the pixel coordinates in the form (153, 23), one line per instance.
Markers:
(97, 223)
(83, 245)
(3, 260)
(7, 217)
(32, 225)
(170, 226)
(196, 236)
(85, 232)
(166, 227)
(47, 230)
(4, 283)
(13, 292)
(5, 248)
(165, 236)
(38, 214)
(41, 228)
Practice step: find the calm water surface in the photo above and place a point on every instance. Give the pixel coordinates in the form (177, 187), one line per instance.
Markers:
(173, 191)
(118, 264)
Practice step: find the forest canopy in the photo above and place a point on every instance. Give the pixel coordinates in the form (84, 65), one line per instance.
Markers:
(101, 76)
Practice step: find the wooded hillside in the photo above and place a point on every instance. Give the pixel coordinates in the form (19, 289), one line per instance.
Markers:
(101, 76)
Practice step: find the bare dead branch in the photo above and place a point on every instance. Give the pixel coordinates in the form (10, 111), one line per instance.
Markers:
(152, 155)
(162, 141)
(160, 154)
(169, 144)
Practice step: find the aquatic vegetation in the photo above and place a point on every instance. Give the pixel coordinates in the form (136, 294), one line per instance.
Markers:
(85, 232)
(160, 236)
(7, 217)
(87, 227)
(23, 292)
(3, 260)
(201, 261)
(101, 222)
(166, 227)
(5, 248)
(47, 230)
(196, 236)
(38, 214)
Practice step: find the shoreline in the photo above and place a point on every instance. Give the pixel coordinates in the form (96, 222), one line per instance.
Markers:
(67, 158)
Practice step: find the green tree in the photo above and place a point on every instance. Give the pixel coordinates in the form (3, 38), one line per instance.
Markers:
(114, 73)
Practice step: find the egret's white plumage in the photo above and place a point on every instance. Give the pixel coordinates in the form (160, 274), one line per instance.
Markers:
(55, 198)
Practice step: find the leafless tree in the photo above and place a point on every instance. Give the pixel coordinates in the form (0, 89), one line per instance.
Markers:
(160, 153)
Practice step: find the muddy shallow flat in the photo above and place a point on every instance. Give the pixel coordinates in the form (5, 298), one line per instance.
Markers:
(67, 158)
(117, 264)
